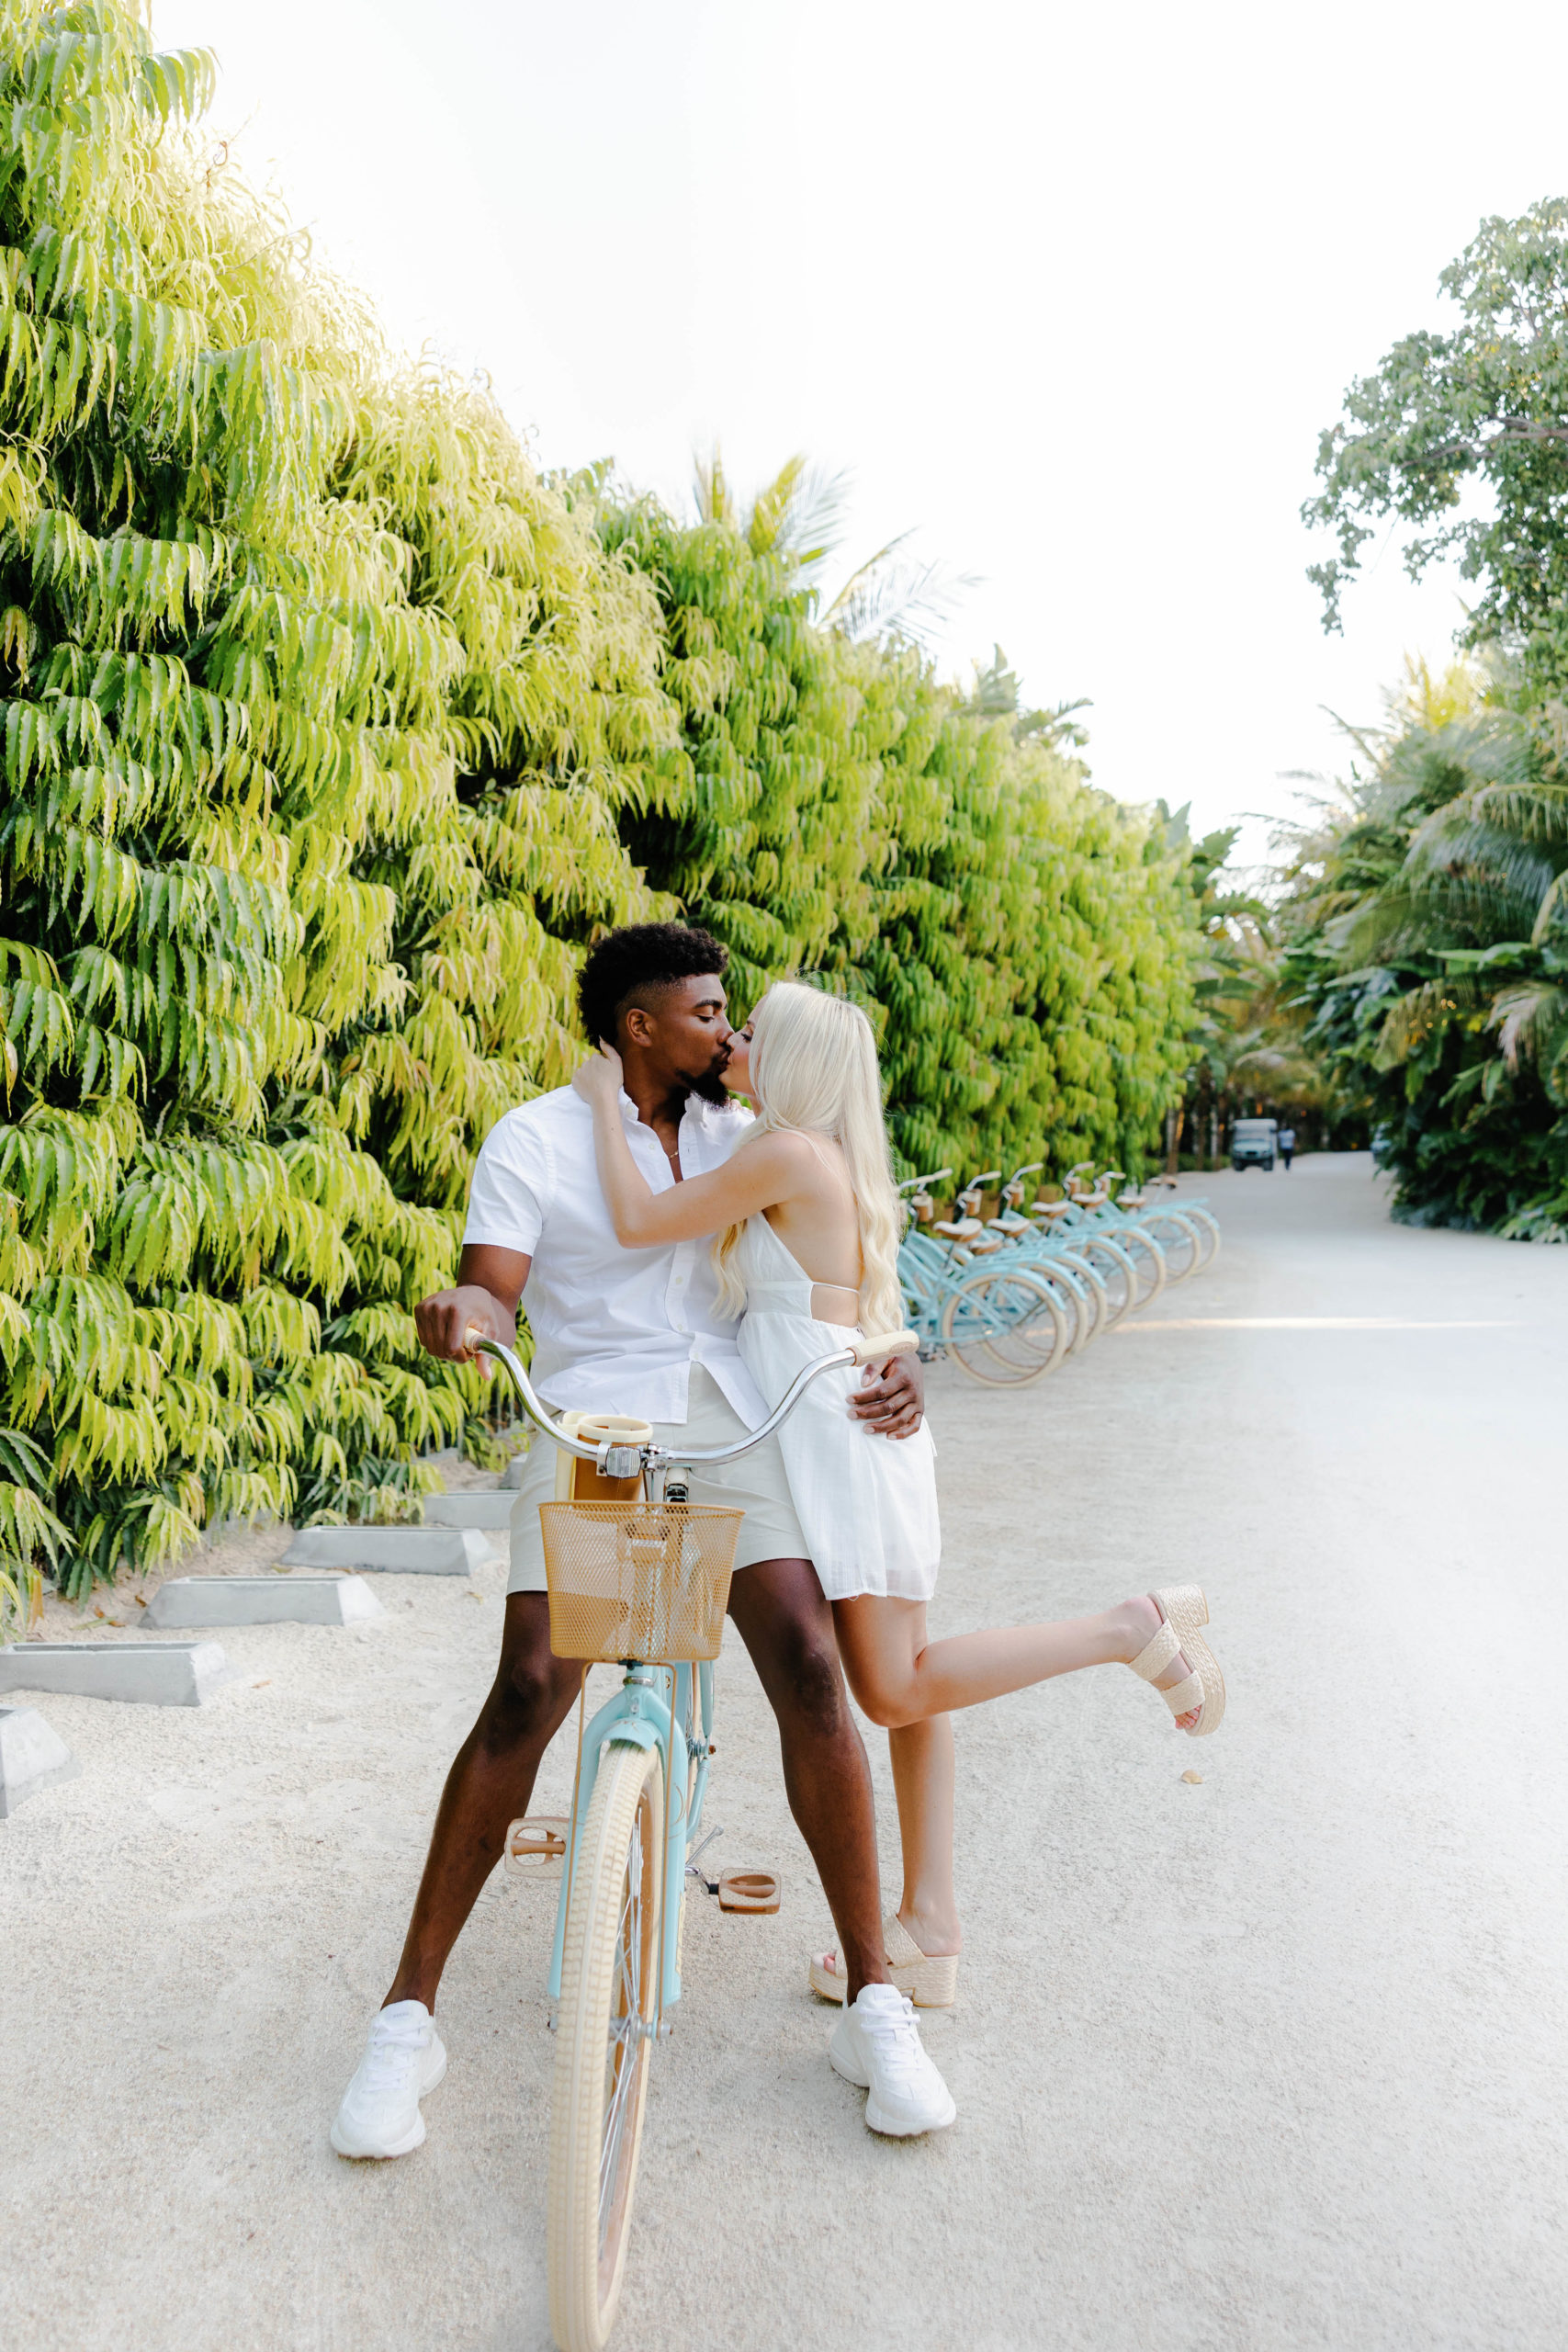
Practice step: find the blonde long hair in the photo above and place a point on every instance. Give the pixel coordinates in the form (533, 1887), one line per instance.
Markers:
(813, 1067)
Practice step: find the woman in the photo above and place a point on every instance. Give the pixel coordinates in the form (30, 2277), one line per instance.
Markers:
(807, 1219)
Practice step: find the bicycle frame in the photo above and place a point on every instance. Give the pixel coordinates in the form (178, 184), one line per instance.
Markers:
(655, 1701)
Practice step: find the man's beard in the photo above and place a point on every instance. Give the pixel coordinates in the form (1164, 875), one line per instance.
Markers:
(711, 1087)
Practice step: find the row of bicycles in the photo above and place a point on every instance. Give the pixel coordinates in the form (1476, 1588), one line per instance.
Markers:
(1009, 1285)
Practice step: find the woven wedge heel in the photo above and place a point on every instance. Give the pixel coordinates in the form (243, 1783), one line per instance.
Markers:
(1185, 1608)
(930, 1983)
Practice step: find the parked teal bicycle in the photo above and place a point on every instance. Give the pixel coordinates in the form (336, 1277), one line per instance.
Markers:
(1001, 1323)
(1184, 1232)
(639, 1577)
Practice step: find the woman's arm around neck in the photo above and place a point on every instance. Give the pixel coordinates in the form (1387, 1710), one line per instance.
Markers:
(757, 1176)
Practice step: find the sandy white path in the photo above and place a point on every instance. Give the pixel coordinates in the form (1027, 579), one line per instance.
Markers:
(1276, 2061)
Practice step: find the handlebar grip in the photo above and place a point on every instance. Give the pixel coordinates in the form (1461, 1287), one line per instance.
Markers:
(883, 1344)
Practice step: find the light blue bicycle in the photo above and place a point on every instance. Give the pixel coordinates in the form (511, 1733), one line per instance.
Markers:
(639, 1577)
(1002, 1325)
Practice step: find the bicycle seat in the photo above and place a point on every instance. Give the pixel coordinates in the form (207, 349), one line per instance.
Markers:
(1050, 1208)
(959, 1228)
(1009, 1223)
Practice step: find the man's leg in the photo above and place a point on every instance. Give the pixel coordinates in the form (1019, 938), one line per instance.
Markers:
(489, 1784)
(787, 1626)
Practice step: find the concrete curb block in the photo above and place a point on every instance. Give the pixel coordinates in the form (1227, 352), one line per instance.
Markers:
(483, 1506)
(409, 1551)
(263, 1600)
(147, 1674)
(32, 1757)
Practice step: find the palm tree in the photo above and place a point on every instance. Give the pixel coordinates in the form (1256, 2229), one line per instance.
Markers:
(1427, 917)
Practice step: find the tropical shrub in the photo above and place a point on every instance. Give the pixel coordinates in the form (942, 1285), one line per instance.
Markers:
(1431, 928)
(331, 734)
(1422, 921)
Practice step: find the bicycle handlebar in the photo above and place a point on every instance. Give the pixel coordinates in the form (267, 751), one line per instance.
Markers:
(914, 1183)
(876, 1349)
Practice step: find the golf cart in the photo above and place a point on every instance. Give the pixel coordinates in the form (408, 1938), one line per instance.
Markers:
(1252, 1144)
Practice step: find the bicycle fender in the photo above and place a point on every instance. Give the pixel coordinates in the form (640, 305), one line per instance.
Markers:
(632, 1732)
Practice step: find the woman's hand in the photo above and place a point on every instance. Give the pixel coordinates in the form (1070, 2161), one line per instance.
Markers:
(599, 1080)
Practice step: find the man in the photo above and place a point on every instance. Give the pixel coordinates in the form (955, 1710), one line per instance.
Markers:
(638, 1331)
(1286, 1142)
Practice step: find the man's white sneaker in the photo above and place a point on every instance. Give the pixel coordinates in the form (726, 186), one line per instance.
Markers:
(877, 2045)
(403, 2059)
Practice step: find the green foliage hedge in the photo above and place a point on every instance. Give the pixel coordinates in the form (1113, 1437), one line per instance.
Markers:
(331, 734)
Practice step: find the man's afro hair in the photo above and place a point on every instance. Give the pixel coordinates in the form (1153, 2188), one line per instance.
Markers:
(640, 955)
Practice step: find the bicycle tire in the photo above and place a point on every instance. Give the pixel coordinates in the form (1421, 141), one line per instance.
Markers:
(609, 1979)
(1039, 1336)
(1122, 1296)
(971, 1319)
(1132, 1239)
(1156, 1226)
(1091, 1274)
(1205, 1225)
(1037, 1343)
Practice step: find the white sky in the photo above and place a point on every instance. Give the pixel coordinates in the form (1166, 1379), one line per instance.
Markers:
(1071, 289)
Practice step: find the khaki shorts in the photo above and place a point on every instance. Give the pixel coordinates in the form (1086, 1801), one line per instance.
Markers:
(756, 1485)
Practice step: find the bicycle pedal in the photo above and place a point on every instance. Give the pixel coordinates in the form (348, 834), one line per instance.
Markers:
(747, 1891)
(535, 1846)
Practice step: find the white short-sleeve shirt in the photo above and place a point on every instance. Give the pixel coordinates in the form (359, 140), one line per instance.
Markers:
(614, 1330)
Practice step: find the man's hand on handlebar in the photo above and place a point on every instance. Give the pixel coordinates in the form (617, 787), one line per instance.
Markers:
(892, 1399)
(490, 1283)
(442, 1320)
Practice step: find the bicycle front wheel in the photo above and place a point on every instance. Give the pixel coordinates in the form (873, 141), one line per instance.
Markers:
(1036, 1336)
(604, 2032)
(981, 1316)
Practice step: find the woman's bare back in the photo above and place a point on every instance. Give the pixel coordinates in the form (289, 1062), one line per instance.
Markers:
(819, 1223)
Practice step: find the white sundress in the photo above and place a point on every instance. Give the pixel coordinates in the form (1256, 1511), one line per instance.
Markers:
(866, 1503)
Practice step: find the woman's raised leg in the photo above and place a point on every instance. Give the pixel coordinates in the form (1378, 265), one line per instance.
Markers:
(899, 1677)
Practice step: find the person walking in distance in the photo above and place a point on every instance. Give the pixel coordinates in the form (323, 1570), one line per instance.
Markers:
(639, 1331)
(1286, 1142)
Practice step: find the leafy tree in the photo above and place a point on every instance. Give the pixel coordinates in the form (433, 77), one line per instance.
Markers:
(1428, 914)
(1464, 436)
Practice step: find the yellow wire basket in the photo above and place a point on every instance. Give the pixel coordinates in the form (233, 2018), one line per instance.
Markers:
(638, 1579)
